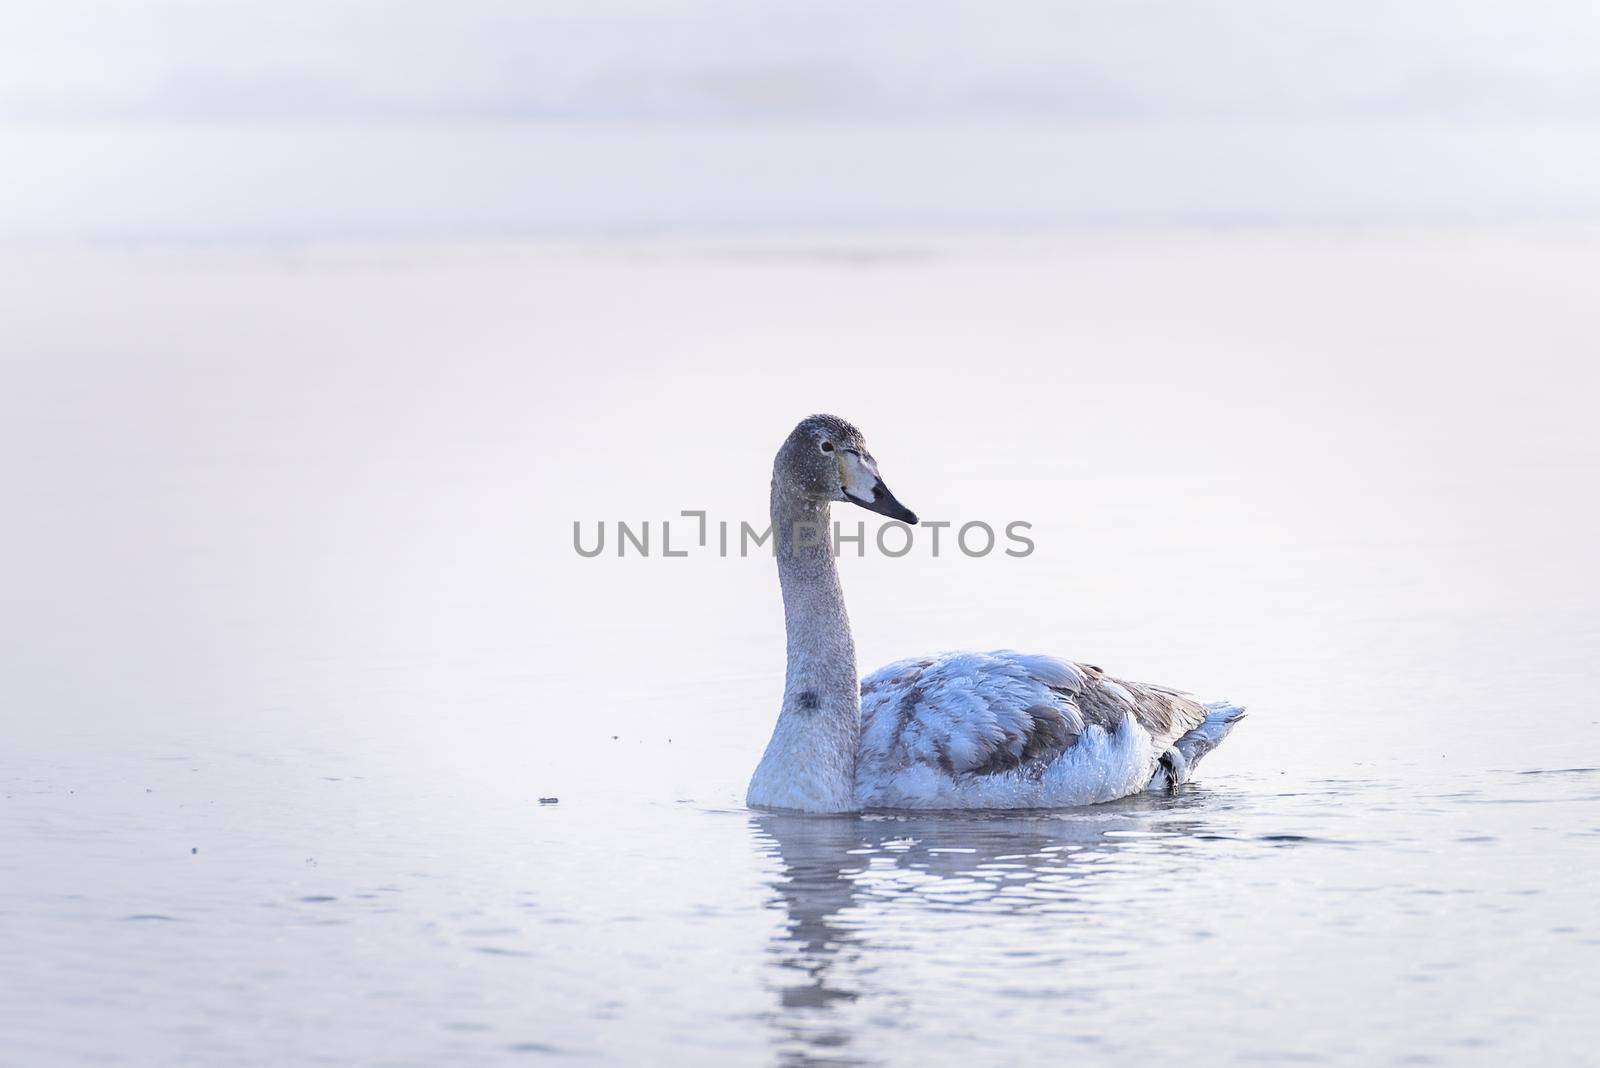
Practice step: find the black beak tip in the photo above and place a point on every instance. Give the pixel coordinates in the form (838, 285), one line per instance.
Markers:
(883, 503)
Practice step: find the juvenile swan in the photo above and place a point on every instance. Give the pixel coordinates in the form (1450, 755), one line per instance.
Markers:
(957, 730)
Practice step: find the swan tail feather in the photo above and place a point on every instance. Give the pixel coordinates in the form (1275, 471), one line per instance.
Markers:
(1177, 764)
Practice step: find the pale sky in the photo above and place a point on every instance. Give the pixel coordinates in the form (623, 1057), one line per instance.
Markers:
(300, 119)
(686, 59)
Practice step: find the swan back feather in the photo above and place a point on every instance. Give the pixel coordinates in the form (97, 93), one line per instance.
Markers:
(1010, 730)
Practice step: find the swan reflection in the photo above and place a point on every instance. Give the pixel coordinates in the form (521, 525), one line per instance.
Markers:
(861, 893)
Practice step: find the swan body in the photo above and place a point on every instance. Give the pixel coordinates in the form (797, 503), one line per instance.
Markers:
(1008, 730)
(996, 730)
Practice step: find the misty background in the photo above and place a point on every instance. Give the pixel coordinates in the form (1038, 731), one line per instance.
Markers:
(302, 120)
(322, 323)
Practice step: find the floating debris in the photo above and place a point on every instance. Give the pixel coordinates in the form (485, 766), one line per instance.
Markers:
(193, 850)
(549, 800)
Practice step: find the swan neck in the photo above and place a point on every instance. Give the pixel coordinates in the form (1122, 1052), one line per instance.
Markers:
(810, 761)
(815, 621)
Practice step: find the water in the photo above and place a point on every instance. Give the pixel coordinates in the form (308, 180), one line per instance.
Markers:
(298, 640)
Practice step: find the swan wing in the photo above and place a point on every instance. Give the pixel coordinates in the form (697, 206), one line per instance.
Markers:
(977, 714)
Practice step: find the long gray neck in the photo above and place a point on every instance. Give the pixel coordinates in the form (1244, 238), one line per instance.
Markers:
(822, 656)
(811, 760)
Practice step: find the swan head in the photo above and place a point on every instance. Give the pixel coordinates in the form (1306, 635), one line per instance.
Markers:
(826, 459)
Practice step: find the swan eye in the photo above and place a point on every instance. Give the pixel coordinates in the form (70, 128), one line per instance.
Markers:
(827, 446)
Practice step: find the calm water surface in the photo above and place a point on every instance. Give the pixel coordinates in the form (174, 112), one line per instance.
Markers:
(298, 643)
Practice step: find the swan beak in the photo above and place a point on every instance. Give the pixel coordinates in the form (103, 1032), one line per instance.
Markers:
(863, 486)
(883, 503)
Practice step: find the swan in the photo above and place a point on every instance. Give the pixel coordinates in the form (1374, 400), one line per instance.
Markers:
(996, 730)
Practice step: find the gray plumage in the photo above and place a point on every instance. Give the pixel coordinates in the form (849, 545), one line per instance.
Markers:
(959, 730)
